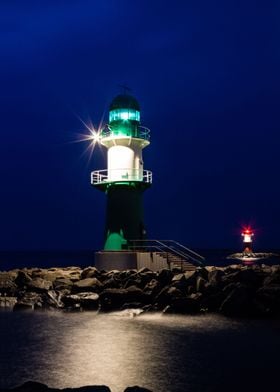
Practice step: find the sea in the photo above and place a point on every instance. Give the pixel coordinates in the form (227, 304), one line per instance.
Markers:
(164, 353)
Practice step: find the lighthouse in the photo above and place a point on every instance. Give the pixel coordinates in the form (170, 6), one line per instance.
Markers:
(247, 235)
(125, 179)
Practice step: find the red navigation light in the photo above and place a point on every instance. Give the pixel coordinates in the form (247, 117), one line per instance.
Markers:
(247, 230)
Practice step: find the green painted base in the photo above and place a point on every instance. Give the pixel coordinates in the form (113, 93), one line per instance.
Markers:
(124, 215)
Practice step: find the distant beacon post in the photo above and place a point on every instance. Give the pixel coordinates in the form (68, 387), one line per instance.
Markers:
(247, 235)
(125, 179)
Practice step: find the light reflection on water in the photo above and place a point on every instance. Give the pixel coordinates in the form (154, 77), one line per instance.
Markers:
(162, 353)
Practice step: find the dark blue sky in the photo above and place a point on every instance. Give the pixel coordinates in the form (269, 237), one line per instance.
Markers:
(206, 74)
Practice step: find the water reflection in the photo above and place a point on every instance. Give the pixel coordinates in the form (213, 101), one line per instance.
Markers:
(162, 353)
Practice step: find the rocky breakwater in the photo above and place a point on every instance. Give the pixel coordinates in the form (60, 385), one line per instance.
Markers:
(251, 291)
(31, 386)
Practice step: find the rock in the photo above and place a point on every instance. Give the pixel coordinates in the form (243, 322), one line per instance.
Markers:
(165, 277)
(238, 302)
(152, 288)
(28, 301)
(32, 386)
(23, 279)
(267, 300)
(137, 389)
(113, 299)
(212, 302)
(201, 284)
(89, 301)
(90, 272)
(7, 302)
(89, 284)
(166, 296)
(51, 299)
(273, 278)
(178, 278)
(215, 277)
(62, 284)
(7, 283)
(112, 283)
(39, 285)
(184, 305)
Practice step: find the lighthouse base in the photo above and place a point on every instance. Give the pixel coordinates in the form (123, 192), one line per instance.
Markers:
(125, 260)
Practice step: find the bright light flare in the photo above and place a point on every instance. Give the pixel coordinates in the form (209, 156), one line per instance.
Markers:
(92, 136)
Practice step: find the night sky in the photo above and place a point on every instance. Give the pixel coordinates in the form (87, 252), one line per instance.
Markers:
(206, 74)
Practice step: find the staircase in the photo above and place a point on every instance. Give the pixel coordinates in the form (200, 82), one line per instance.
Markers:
(177, 256)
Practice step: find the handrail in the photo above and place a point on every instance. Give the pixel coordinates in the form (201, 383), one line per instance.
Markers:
(188, 254)
(140, 132)
(121, 174)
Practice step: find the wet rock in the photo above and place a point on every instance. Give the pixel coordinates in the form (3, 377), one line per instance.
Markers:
(23, 279)
(90, 272)
(215, 277)
(7, 283)
(212, 302)
(201, 284)
(89, 284)
(113, 299)
(267, 300)
(165, 277)
(39, 285)
(51, 299)
(32, 386)
(239, 302)
(7, 302)
(62, 284)
(112, 283)
(89, 301)
(152, 288)
(184, 305)
(166, 296)
(28, 301)
(137, 389)
(190, 277)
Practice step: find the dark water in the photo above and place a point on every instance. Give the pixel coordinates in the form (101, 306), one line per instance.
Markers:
(163, 353)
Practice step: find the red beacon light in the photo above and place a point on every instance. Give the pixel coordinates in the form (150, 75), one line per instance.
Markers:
(247, 234)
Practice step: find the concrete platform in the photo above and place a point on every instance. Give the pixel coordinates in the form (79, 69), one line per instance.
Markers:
(124, 260)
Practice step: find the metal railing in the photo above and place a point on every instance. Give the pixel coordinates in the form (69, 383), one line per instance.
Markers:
(121, 175)
(140, 132)
(169, 247)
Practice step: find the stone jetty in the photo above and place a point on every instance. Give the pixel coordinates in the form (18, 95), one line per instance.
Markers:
(32, 386)
(235, 290)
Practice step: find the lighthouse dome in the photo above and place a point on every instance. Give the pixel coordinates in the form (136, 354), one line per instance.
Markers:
(124, 107)
(124, 101)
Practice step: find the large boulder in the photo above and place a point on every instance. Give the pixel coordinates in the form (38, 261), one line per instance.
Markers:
(39, 285)
(184, 305)
(62, 284)
(152, 288)
(239, 302)
(7, 283)
(165, 277)
(114, 299)
(267, 300)
(88, 284)
(90, 272)
(28, 301)
(137, 389)
(23, 279)
(215, 277)
(32, 386)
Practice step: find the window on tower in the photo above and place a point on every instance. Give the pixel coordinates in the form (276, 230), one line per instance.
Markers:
(124, 114)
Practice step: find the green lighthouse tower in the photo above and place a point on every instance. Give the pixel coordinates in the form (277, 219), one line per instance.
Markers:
(125, 179)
